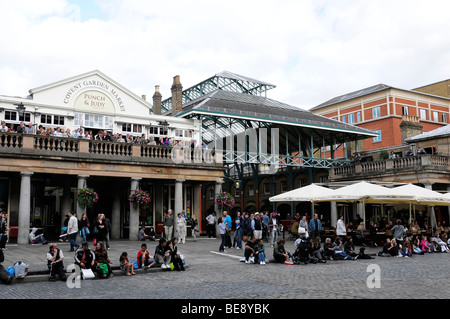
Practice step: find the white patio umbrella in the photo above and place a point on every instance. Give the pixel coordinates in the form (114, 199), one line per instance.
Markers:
(365, 192)
(303, 194)
(422, 196)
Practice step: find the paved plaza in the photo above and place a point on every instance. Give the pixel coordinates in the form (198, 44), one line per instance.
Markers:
(221, 276)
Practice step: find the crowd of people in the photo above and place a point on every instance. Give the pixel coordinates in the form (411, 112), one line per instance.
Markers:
(101, 135)
(310, 245)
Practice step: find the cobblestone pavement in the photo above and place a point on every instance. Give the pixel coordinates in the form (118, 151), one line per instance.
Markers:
(214, 275)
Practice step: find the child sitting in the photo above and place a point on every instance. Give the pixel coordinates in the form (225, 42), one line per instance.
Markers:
(126, 265)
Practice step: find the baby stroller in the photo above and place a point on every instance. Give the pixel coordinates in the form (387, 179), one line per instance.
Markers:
(302, 251)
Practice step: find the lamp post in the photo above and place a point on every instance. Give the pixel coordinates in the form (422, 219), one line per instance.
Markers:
(21, 109)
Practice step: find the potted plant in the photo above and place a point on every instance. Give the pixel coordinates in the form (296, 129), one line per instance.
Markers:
(139, 198)
(86, 197)
(224, 200)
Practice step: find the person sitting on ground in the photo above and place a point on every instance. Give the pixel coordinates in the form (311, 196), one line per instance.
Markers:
(36, 239)
(440, 245)
(425, 245)
(416, 245)
(125, 264)
(280, 254)
(260, 252)
(162, 255)
(5, 278)
(391, 247)
(175, 256)
(102, 261)
(339, 250)
(143, 258)
(328, 250)
(84, 257)
(152, 234)
(249, 249)
(406, 250)
(55, 258)
(316, 250)
(349, 247)
(142, 234)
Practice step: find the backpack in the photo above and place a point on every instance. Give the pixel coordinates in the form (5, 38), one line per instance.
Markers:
(20, 269)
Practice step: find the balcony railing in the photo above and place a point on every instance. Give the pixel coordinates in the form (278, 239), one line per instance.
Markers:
(24, 144)
(392, 166)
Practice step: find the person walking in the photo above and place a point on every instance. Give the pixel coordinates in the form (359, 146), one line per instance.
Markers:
(273, 224)
(168, 225)
(237, 237)
(84, 222)
(72, 231)
(181, 228)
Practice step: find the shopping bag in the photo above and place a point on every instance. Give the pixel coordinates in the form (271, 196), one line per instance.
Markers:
(87, 273)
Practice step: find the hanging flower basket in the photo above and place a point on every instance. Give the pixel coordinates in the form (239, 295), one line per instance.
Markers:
(224, 200)
(86, 197)
(139, 198)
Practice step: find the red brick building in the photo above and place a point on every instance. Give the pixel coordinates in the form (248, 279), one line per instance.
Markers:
(383, 108)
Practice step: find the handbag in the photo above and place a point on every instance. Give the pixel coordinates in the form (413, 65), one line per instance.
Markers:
(301, 230)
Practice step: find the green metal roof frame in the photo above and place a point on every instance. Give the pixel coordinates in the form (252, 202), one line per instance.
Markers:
(226, 81)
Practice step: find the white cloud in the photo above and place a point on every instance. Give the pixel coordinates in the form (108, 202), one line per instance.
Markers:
(312, 50)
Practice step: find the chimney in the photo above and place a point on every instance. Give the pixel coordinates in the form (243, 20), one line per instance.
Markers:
(177, 90)
(409, 127)
(157, 101)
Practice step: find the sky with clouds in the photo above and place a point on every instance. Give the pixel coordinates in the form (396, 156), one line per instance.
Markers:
(312, 50)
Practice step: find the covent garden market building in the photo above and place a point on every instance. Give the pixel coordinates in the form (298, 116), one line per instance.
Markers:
(91, 132)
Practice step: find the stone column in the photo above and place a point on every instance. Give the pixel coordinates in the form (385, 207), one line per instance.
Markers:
(217, 190)
(66, 204)
(197, 204)
(24, 208)
(334, 216)
(115, 216)
(178, 197)
(134, 213)
(81, 184)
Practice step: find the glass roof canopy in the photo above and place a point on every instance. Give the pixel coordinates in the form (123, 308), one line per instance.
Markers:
(232, 105)
(226, 81)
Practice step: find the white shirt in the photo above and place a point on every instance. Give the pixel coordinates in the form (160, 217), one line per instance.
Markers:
(340, 228)
(72, 226)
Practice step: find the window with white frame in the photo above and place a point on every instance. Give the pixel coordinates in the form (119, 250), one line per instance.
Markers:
(436, 116)
(351, 118)
(237, 192)
(376, 112)
(423, 114)
(358, 117)
(405, 110)
(344, 119)
(444, 118)
(377, 138)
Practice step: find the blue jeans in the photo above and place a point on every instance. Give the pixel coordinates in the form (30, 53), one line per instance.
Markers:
(238, 237)
(84, 232)
(73, 241)
(222, 244)
(261, 256)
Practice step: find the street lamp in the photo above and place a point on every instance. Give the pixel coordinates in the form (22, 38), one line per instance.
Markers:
(165, 125)
(21, 109)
